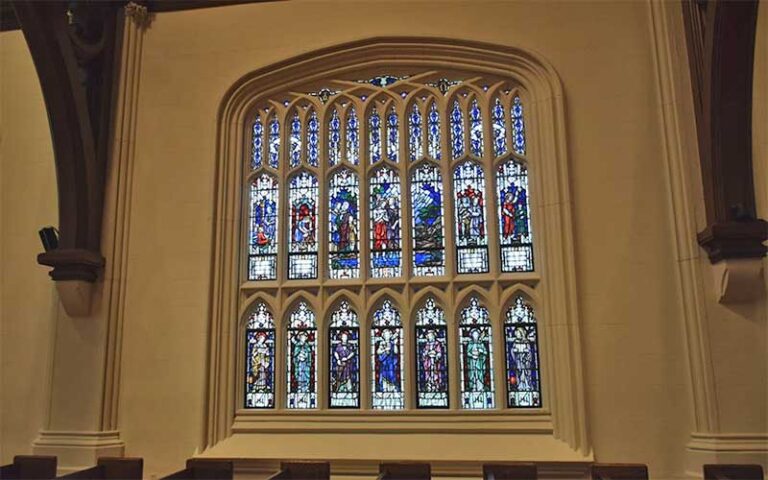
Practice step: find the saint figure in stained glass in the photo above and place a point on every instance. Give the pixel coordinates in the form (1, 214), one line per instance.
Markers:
(471, 241)
(457, 130)
(260, 359)
(258, 144)
(344, 341)
(433, 132)
(302, 361)
(374, 136)
(522, 356)
(313, 139)
(431, 357)
(302, 253)
(427, 218)
(415, 148)
(262, 252)
(499, 126)
(343, 218)
(393, 136)
(334, 139)
(295, 140)
(475, 341)
(514, 217)
(385, 224)
(475, 129)
(387, 358)
(274, 142)
(353, 137)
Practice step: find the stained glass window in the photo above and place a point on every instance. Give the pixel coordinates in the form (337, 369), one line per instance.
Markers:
(471, 238)
(374, 136)
(343, 222)
(302, 251)
(302, 358)
(427, 219)
(433, 132)
(387, 359)
(522, 356)
(353, 137)
(475, 129)
(393, 136)
(386, 236)
(313, 139)
(262, 249)
(334, 139)
(295, 143)
(344, 344)
(260, 359)
(258, 144)
(431, 357)
(518, 128)
(274, 142)
(514, 217)
(415, 148)
(457, 131)
(476, 356)
(499, 127)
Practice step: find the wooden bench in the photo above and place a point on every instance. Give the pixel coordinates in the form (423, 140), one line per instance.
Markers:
(510, 471)
(404, 471)
(204, 469)
(733, 472)
(619, 471)
(303, 471)
(111, 468)
(29, 467)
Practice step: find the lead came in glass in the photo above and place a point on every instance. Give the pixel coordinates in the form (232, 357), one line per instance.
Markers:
(334, 139)
(522, 356)
(262, 248)
(393, 136)
(344, 342)
(431, 357)
(258, 144)
(457, 131)
(302, 358)
(353, 137)
(260, 359)
(387, 359)
(476, 357)
(343, 222)
(499, 126)
(471, 238)
(302, 252)
(433, 132)
(313, 139)
(475, 129)
(427, 218)
(516, 240)
(386, 238)
(518, 128)
(374, 136)
(274, 142)
(295, 140)
(415, 148)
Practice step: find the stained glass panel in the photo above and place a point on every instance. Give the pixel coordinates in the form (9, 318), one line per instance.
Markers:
(499, 125)
(516, 240)
(518, 127)
(457, 131)
(431, 357)
(393, 136)
(476, 356)
(386, 236)
(344, 342)
(295, 140)
(313, 139)
(260, 359)
(433, 132)
(302, 358)
(427, 219)
(262, 248)
(522, 356)
(257, 147)
(471, 238)
(334, 139)
(353, 137)
(415, 148)
(374, 136)
(387, 390)
(302, 250)
(475, 129)
(343, 221)
(274, 142)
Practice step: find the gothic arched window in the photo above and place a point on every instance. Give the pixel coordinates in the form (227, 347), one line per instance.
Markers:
(344, 366)
(260, 358)
(301, 358)
(431, 357)
(262, 245)
(387, 390)
(476, 356)
(521, 352)
(302, 202)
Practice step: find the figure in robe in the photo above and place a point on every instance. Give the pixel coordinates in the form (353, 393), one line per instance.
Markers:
(514, 211)
(344, 356)
(261, 364)
(476, 358)
(477, 221)
(521, 361)
(304, 226)
(380, 223)
(432, 363)
(388, 356)
(302, 363)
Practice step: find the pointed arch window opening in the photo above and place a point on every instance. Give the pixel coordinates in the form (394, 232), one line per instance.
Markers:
(313, 139)
(470, 215)
(386, 224)
(515, 232)
(257, 146)
(415, 135)
(476, 357)
(334, 139)
(518, 126)
(353, 137)
(303, 196)
(343, 225)
(301, 359)
(433, 132)
(344, 358)
(475, 129)
(499, 128)
(393, 136)
(274, 142)
(457, 131)
(387, 388)
(428, 229)
(431, 339)
(521, 353)
(260, 358)
(263, 228)
(295, 140)
(374, 136)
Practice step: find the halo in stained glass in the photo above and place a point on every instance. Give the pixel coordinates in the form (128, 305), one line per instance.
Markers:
(344, 344)
(262, 248)
(515, 235)
(301, 358)
(303, 196)
(274, 142)
(522, 356)
(393, 136)
(415, 148)
(433, 132)
(518, 127)
(427, 220)
(476, 357)
(386, 235)
(469, 209)
(387, 392)
(431, 357)
(334, 139)
(374, 136)
(295, 140)
(343, 225)
(457, 131)
(313, 139)
(499, 127)
(260, 358)
(353, 137)
(475, 129)
(257, 146)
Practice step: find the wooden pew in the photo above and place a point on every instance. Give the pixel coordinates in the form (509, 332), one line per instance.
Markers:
(110, 468)
(733, 472)
(204, 469)
(510, 471)
(303, 471)
(404, 471)
(29, 467)
(619, 471)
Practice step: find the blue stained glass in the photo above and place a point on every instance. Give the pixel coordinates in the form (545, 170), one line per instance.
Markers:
(353, 137)
(427, 218)
(334, 139)
(274, 142)
(262, 248)
(295, 140)
(457, 131)
(343, 221)
(522, 356)
(344, 342)
(387, 359)
(431, 357)
(499, 123)
(415, 148)
(260, 359)
(302, 250)
(475, 129)
(386, 237)
(393, 136)
(313, 139)
(374, 136)
(433, 132)
(301, 359)
(515, 234)
(518, 127)
(258, 144)
(471, 237)
(476, 357)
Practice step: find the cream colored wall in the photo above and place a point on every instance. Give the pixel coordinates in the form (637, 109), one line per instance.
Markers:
(28, 302)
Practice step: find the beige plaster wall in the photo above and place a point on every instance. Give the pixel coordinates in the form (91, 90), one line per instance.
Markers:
(28, 302)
